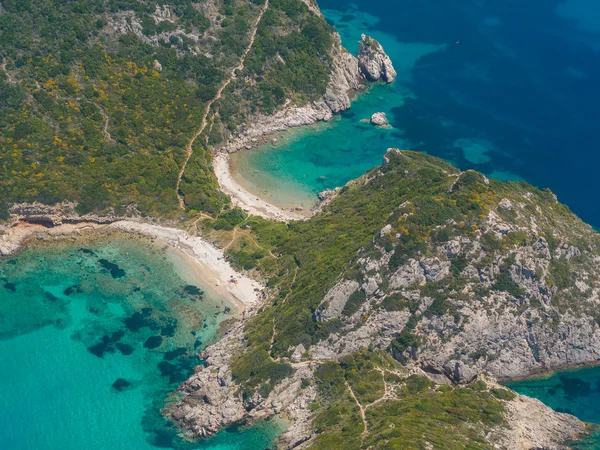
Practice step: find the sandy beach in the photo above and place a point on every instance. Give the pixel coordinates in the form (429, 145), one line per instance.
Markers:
(204, 261)
(248, 201)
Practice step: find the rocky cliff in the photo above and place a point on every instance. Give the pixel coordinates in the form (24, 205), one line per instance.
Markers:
(348, 75)
(513, 291)
(373, 62)
(453, 278)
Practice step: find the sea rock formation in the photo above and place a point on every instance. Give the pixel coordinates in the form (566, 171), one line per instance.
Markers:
(379, 119)
(373, 62)
(345, 78)
(348, 75)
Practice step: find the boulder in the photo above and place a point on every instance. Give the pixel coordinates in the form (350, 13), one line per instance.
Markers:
(379, 119)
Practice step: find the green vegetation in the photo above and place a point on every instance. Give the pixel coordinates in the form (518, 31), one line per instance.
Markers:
(417, 413)
(428, 204)
(93, 110)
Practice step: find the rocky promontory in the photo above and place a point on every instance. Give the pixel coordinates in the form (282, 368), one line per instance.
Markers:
(463, 281)
(373, 62)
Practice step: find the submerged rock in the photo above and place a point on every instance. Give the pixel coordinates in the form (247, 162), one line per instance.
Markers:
(125, 349)
(115, 271)
(194, 292)
(73, 290)
(121, 384)
(374, 64)
(139, 320)
(50, 296)
(153, 342)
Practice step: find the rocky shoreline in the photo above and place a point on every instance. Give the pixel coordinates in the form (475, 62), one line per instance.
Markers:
(211, 400)
(349, 75)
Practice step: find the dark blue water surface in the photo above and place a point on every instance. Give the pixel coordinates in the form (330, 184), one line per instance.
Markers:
(518, 75)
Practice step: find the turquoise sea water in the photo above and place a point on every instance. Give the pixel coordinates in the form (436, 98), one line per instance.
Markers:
(93, 337)
(575, 392)
(508, 88)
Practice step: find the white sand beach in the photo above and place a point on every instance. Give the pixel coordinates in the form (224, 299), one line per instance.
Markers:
(206, 262)
(249, 202)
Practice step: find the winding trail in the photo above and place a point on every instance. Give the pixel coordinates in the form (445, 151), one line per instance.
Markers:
(189, 149)
(361, 410)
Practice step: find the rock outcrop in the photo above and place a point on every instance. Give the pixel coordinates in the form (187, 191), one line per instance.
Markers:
(348, 75)
(345, 78)
(373, 62)
(53, 215)
(380, 119)
(532, 425)
(211, 399)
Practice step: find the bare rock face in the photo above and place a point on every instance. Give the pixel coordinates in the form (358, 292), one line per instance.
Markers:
(531, 424)
(336, 299)
(373, 62)
(58, 214)
(379, 119)
(210, 397)
(345, 78)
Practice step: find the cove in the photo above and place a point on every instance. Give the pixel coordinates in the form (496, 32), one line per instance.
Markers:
(506, 88)
(94, 336)
(575, 392)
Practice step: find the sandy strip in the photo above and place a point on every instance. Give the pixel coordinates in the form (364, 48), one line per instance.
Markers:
(210, 263)
(248, 201)
(206, 262)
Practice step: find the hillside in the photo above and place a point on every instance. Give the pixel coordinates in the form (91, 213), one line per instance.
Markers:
(101, 102)
(414, 270)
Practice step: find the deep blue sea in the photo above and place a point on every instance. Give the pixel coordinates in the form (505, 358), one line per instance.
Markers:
(509, 88)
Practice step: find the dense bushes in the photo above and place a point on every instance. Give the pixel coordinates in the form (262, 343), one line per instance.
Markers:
(85, 114)
(421, 413)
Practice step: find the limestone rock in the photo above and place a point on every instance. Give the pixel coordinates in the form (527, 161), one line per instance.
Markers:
(531, 424)
(374, 64)
(335, 300)
(380, 119)
(53, 215)
(344, 79)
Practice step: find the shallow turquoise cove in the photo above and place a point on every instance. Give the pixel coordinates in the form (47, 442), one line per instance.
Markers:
(93, 337)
